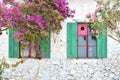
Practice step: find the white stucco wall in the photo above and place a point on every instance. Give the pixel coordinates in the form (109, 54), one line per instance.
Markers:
(58, 67)
(3, 45)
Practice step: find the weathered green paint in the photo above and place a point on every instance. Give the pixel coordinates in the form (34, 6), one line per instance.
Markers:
(99, 47)
(102, 45)
(72, 40)
(45, 46)
(13, 45)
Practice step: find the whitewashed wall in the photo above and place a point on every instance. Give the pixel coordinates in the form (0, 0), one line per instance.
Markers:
(58, 67)
(3, 45)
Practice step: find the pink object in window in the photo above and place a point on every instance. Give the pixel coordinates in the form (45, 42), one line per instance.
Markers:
(82, 29)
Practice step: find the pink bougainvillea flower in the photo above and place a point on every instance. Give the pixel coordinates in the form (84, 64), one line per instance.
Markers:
(92, 31)
(97, 36)
(31, 18)
(37, 20)
(117, 8)
(2, 24)
(72, 16)
(107, 7)
(88, 15)
(97, 31)
(73, 11)
(18, 36)
(98, 2)
(93, 15)
(97, 10)
(5, 1)
(13, 15)
(29, 3)
(1, 3)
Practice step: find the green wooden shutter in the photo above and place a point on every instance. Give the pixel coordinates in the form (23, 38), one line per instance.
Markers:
(99, 47)
(13, 45)
(102, 45)
(45, 46)
(72, 40)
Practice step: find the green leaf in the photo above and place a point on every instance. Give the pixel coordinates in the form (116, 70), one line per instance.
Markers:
(0, 32)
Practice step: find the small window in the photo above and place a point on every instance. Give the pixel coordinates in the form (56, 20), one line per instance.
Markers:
(15, 50)
(86, 42)
(81, 42)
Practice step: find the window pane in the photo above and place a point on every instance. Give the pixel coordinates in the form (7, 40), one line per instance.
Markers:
(91, 40)
(25, 52)
(81, 51)
(81, 40)
(89, 32)
(91, 51)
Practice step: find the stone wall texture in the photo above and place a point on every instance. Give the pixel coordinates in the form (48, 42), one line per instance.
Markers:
(59, 67)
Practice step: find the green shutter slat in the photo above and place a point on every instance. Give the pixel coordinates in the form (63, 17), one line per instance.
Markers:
(45, 46)
(104, 44)
(72, 40)
(99, 47)
(69, 31)
(13, 45)
(11, 49)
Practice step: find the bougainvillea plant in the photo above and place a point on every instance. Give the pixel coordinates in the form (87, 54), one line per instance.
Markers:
(34, 19)
(106, 16)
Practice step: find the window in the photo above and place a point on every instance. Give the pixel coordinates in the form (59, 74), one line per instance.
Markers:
(15, 48)
(86, 42)
(81, 43)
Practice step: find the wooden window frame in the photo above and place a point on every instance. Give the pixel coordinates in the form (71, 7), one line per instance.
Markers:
(87, 46)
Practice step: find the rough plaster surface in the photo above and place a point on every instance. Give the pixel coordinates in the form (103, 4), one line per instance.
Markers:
(58, 67)
(69, 69)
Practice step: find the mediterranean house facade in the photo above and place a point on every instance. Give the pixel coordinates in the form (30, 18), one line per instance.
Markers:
(65, 61)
